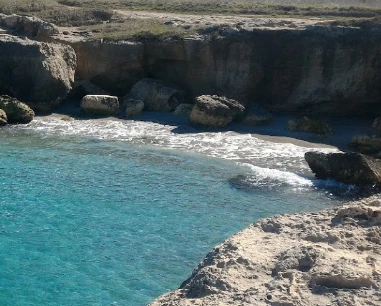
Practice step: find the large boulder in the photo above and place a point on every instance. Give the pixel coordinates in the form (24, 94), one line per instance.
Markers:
(156, 96)
(100, 105)
(16, 111)
(349, 168)
(40, 74)
(215, 111)
(3, 118)
(309, 125)
(32, 27)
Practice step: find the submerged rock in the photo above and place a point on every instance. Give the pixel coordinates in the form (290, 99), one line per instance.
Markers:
(215, 111)
(349, 168)
(3, 118)
(257, 115)
(133, 107)
(309, 125)
(16, 111)
(183, 109)
(100, 105)
(329, 257)
(40, 74)
(156, 95)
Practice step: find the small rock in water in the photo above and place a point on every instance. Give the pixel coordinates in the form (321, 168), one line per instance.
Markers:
(349, 168)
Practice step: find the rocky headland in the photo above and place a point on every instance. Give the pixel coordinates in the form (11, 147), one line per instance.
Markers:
(331, 257)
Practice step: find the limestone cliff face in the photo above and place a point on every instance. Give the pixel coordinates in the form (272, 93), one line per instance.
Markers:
(318, 69)
(39, 74)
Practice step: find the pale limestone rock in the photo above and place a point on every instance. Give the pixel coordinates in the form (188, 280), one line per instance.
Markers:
(40, 74)
(215, 111)
(275, 262)
(102, 105)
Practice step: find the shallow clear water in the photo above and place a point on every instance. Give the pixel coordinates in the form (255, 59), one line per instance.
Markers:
(124, 212)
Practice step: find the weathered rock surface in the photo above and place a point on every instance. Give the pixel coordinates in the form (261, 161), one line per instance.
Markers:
(367, 144)
(316, 70)
(332, 257)
(16, 111)
(100, 105)
(156, 96)
(3, 118)
(40, 74)
(133, 107)
(183, 109)
(309, 125)
(257, 115)
(31, 27)
(350, 168)
(215, 111)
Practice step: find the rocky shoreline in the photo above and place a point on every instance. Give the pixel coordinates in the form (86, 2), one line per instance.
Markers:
(326, 258)
(331, 257)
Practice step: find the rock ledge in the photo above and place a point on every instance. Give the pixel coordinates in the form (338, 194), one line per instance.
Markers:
(332, 257)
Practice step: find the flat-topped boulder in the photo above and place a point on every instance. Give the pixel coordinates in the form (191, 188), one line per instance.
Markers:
(215, 111)
(349, 168)
(100, 105)
(39, 74)
(16, 111)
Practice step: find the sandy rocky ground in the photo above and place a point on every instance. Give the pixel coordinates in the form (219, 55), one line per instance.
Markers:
(196, 22)
(332, 257)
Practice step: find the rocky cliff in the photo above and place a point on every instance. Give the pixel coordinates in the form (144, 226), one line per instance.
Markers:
(315, 69)
(327, 258)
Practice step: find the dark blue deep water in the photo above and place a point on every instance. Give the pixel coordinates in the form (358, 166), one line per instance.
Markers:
(104, 222)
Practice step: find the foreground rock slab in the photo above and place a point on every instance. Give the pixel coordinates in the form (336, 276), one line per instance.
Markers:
(40, 74)
(349, 168)
(215, 111)
(16, 111)
(332, 257)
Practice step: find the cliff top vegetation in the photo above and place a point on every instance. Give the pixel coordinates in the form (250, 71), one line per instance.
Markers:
(103, 19)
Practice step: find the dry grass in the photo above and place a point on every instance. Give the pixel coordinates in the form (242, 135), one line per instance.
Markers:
(137, 29)
(95, 13)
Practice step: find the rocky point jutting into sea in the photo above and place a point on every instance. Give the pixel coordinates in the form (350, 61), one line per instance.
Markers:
(220, 75)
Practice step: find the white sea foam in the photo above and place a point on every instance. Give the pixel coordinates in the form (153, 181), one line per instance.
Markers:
(266, 160)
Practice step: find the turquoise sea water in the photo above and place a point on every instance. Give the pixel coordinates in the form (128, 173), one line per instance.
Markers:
(90, 220)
